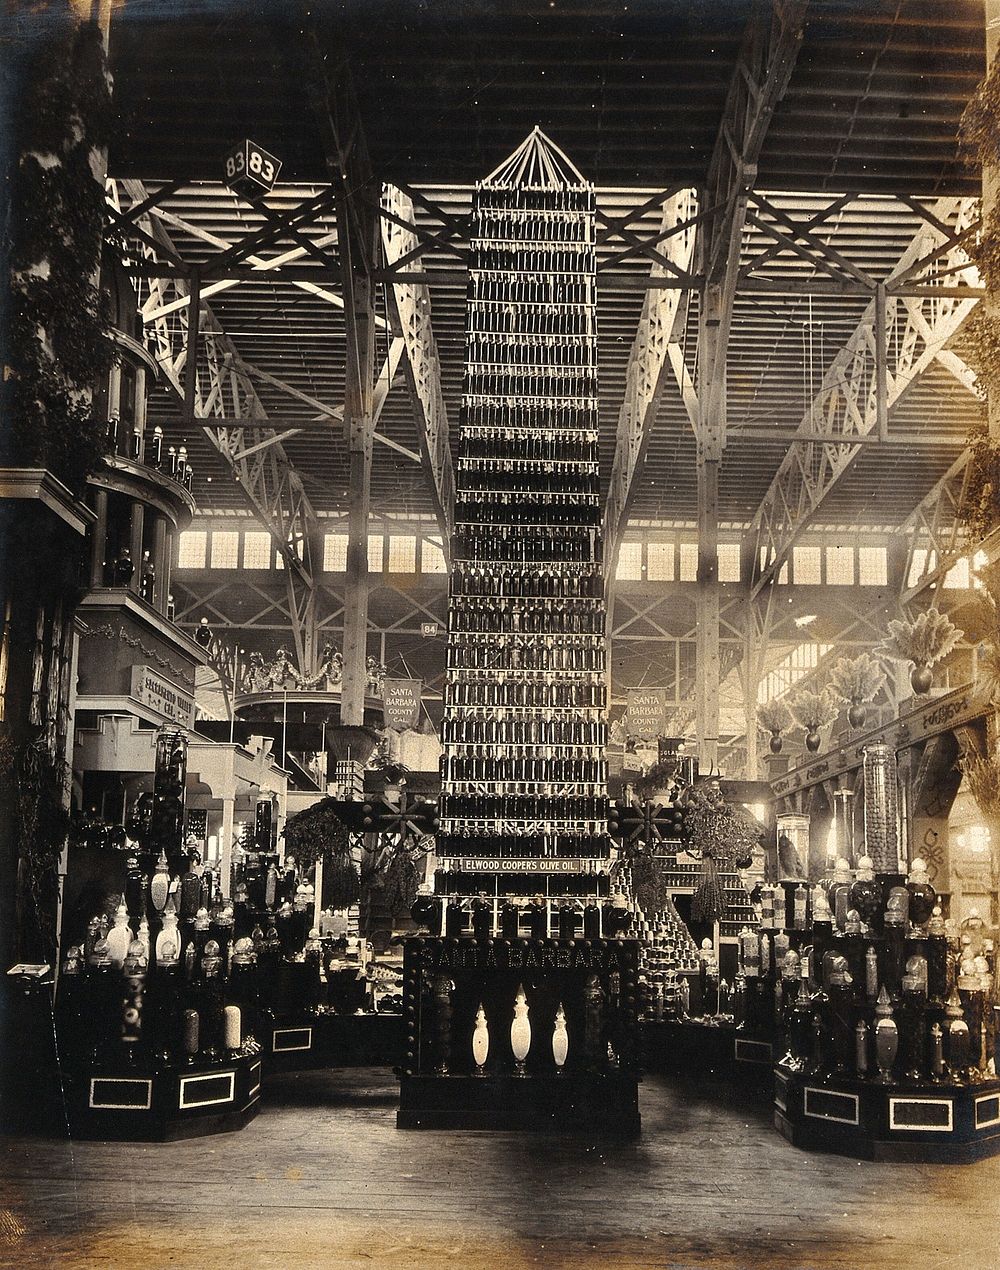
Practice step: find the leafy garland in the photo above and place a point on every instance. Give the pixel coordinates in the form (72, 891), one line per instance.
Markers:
(60, 330)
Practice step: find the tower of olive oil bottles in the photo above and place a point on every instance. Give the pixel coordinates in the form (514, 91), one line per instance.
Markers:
(524, 801)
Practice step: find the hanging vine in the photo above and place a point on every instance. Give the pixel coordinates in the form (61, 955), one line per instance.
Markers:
(59, 339)
(979, 134)
(31, 791)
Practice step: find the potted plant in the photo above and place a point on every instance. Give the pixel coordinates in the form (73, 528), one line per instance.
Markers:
(923, 641)
(774, 717)
(856, 681)
(812, 711)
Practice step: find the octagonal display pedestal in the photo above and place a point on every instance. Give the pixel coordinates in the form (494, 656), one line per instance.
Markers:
(928, 1121)
(176, 1101)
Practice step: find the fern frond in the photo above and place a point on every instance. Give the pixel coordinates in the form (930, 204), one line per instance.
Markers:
(774, 716)
(813, 710)
(857, 679)
(924, 640)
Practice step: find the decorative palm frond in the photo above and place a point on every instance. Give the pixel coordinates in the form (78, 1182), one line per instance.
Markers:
(983, 778)
(857, 679)
(923, 641)
(774, 716)
(813, 710)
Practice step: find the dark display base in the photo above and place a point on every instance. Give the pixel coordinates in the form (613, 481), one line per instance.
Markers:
(937, 1123)
(297, 1042)
(159, 1106)
(692, 1048)
(573, 1103)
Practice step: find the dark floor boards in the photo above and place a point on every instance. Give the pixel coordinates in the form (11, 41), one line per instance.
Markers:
(323, 1179)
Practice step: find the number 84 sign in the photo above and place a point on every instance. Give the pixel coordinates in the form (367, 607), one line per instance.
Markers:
(250, 171)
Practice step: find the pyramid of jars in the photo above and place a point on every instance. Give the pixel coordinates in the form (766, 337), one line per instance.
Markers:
(664, 940)
(523, 800)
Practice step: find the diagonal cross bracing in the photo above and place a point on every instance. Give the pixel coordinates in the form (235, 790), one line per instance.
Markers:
(223, 390)
(412, 304)
(883, 358)
(647, 364)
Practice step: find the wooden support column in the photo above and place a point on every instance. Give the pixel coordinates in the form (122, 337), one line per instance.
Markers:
(135, 542)
(140, 410)
(99, 538)
(160, 563)
(359, 390)
(114, 407)
(168, 565)
(707, 664)
(226, 845)
(751, 685)
(352, 702)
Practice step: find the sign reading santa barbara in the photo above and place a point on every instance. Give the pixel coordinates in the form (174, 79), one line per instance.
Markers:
(401, 703)
(645, 711)
(162, 697)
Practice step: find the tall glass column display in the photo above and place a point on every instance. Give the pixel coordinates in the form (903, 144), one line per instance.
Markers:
(523, 810)
(524, 727)
(881, 808)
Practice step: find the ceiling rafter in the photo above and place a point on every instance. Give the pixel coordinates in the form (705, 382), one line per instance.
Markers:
(764, 67)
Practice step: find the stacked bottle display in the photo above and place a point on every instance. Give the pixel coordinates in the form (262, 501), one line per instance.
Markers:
(525, 729)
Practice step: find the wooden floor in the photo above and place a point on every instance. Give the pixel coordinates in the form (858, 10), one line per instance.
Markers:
(323, 1179)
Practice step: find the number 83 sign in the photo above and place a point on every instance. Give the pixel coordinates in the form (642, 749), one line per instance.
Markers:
(250, 171)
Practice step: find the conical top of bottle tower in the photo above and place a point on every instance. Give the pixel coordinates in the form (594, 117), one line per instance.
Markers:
(537, 163)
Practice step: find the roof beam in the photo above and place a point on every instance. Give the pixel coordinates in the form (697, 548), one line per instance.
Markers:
(411, 317)
(764, 67)
(866, 380)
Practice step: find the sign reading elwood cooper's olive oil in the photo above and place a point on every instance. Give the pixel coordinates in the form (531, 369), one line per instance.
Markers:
(162, 697)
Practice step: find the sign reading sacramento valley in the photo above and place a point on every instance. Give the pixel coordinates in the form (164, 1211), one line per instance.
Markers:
(161, 696)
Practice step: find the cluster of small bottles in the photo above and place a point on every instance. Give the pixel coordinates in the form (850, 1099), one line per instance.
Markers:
(473, 688)
(138, 446)
(475, 578)
(549, 544)
(864, 978)
(485, 765)
(524, 734)
(525, 807)
(481, 614)
(515, 728)
(491, 650)
(522, 914)
(524, 445)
